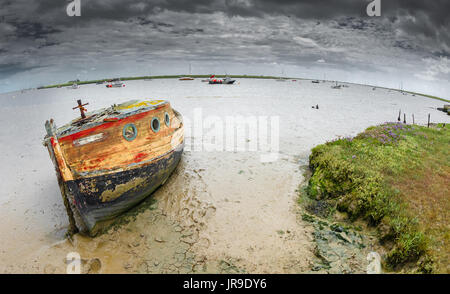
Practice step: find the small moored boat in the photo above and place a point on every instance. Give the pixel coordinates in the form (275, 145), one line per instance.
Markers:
(226, 81)
(74, 86)
(116, 84)
(109, 160)
(336, 86)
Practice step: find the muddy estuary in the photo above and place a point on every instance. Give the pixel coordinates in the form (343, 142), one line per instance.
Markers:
(224, 210)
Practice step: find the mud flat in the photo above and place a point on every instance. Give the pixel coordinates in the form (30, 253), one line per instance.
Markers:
(219, 212)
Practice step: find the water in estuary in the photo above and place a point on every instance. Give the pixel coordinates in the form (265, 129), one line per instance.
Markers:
(221, 210)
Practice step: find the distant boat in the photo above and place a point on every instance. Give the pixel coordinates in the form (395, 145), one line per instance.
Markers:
(281, 79)
(336, 86)
(187, 78)
(228, 81)
(74, 86)
(109, 160)
(149, 77)
(116, 84)
(225, 81)
(315, 82)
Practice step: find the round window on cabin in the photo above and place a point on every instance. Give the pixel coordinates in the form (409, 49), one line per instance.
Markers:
(155, 124)
(167, 119)
(129, 132)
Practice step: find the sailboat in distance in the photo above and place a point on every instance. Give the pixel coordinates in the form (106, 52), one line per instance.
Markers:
(149, 77)
(187, 78)
(282, 78)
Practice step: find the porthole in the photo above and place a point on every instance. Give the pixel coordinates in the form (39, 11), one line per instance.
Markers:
(129, 132)
(155, 124)
(167, 119)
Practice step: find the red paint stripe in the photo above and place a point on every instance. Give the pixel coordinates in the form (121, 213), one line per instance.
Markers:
(106, 126)
(139, 157)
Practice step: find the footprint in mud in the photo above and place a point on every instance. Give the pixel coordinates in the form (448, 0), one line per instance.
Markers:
(93, 266)
(161, 235)
(203, 243)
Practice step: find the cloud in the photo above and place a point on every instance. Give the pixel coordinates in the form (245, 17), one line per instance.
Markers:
(436, 69)
(137, 34)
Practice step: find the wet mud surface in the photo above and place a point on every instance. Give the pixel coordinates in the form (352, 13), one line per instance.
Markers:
(219, 212)
(179, 230)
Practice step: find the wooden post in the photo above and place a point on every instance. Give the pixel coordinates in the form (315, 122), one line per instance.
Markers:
(413, 118)
(428, 120)
(399, 112)
(404, 118)
(81, 107)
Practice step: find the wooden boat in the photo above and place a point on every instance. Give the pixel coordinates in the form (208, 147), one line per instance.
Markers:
(109, 160)
(186, 79)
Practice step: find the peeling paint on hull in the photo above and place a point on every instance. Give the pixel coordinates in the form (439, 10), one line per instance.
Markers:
(102, 172)
(94, 210)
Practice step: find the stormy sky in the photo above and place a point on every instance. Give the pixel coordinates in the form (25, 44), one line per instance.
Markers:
(409, 44)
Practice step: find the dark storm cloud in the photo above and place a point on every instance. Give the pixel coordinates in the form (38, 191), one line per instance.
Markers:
(334, 34)
(33, 30)
(429, 19)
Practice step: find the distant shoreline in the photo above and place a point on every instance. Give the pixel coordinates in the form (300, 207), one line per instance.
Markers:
(232, 76)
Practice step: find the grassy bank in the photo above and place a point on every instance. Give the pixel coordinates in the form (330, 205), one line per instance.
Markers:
(396, 177)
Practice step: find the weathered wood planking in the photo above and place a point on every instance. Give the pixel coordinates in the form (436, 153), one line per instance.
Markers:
(100, 172)
(113, 151)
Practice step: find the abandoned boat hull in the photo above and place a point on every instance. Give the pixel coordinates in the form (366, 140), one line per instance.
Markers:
(90, 195)
(109, 160)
